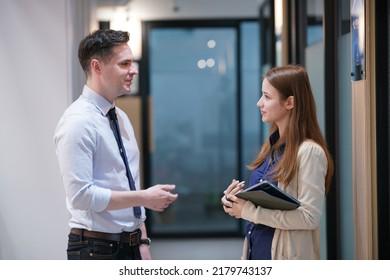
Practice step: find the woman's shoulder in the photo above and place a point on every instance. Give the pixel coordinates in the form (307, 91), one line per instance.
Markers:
(310, 146)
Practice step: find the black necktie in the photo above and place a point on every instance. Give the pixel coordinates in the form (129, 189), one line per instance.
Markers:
(117, 134)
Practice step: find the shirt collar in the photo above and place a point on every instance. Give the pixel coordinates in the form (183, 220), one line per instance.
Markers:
(99, 101)
(274, 137)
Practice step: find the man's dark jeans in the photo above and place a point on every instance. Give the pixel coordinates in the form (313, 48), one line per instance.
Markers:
(85, 248)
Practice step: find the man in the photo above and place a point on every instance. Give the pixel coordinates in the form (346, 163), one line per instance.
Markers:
(104, 220)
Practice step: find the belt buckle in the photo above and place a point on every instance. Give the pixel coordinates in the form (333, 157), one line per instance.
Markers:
(134, 238)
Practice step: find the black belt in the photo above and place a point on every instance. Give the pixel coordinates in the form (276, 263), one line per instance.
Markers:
(132, 238)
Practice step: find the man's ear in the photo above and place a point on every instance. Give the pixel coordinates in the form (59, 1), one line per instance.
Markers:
(95, 66)
(290, 102)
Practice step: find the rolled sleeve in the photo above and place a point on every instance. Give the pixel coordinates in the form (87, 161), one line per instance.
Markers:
(101, 198)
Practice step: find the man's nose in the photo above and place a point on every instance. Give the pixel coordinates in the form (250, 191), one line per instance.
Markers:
(133, 70)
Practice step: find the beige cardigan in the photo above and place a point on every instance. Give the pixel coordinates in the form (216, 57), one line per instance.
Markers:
(297, 232)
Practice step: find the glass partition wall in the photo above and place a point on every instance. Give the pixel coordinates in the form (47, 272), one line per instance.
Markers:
(202, 123)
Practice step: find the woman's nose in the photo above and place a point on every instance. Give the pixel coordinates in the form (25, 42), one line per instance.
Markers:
(259, 104)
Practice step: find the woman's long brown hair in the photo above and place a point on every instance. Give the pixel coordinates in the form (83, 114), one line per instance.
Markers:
(292, 80)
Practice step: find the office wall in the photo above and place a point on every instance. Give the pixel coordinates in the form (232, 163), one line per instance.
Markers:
(35, 90)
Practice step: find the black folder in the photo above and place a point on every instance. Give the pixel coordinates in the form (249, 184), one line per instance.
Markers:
(267, 195)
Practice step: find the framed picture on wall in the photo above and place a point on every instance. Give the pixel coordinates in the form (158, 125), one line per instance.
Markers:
(358, 40)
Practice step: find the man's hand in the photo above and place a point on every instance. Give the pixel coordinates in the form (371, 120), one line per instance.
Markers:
(159, 197)
(145, 252)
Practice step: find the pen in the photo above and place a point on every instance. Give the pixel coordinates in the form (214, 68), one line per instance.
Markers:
(240, 183)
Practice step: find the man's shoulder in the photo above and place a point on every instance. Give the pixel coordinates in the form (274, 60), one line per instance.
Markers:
(80, 108)
(78, 114)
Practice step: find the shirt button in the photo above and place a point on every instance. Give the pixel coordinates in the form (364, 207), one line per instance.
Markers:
(249, 232)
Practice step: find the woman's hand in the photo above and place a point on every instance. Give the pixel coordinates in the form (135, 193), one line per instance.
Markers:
(232, 204)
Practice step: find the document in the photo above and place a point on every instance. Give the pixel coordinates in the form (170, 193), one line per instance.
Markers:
(267, 195)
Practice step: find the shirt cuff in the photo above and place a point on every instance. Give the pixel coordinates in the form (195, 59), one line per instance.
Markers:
(101, 199)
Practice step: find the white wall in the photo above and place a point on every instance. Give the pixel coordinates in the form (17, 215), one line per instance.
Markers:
(38, 80)
(34, 89)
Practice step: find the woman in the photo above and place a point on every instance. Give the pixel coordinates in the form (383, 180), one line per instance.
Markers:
(296, 159)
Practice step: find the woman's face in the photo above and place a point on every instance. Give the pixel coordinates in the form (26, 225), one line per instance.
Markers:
(273, 109)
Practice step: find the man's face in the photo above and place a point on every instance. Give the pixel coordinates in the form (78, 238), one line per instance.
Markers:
(118, 73)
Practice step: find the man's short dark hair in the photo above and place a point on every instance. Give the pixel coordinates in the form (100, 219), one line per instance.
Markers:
(99, 45)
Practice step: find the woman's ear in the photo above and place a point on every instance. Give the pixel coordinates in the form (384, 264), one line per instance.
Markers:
(290, 102)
